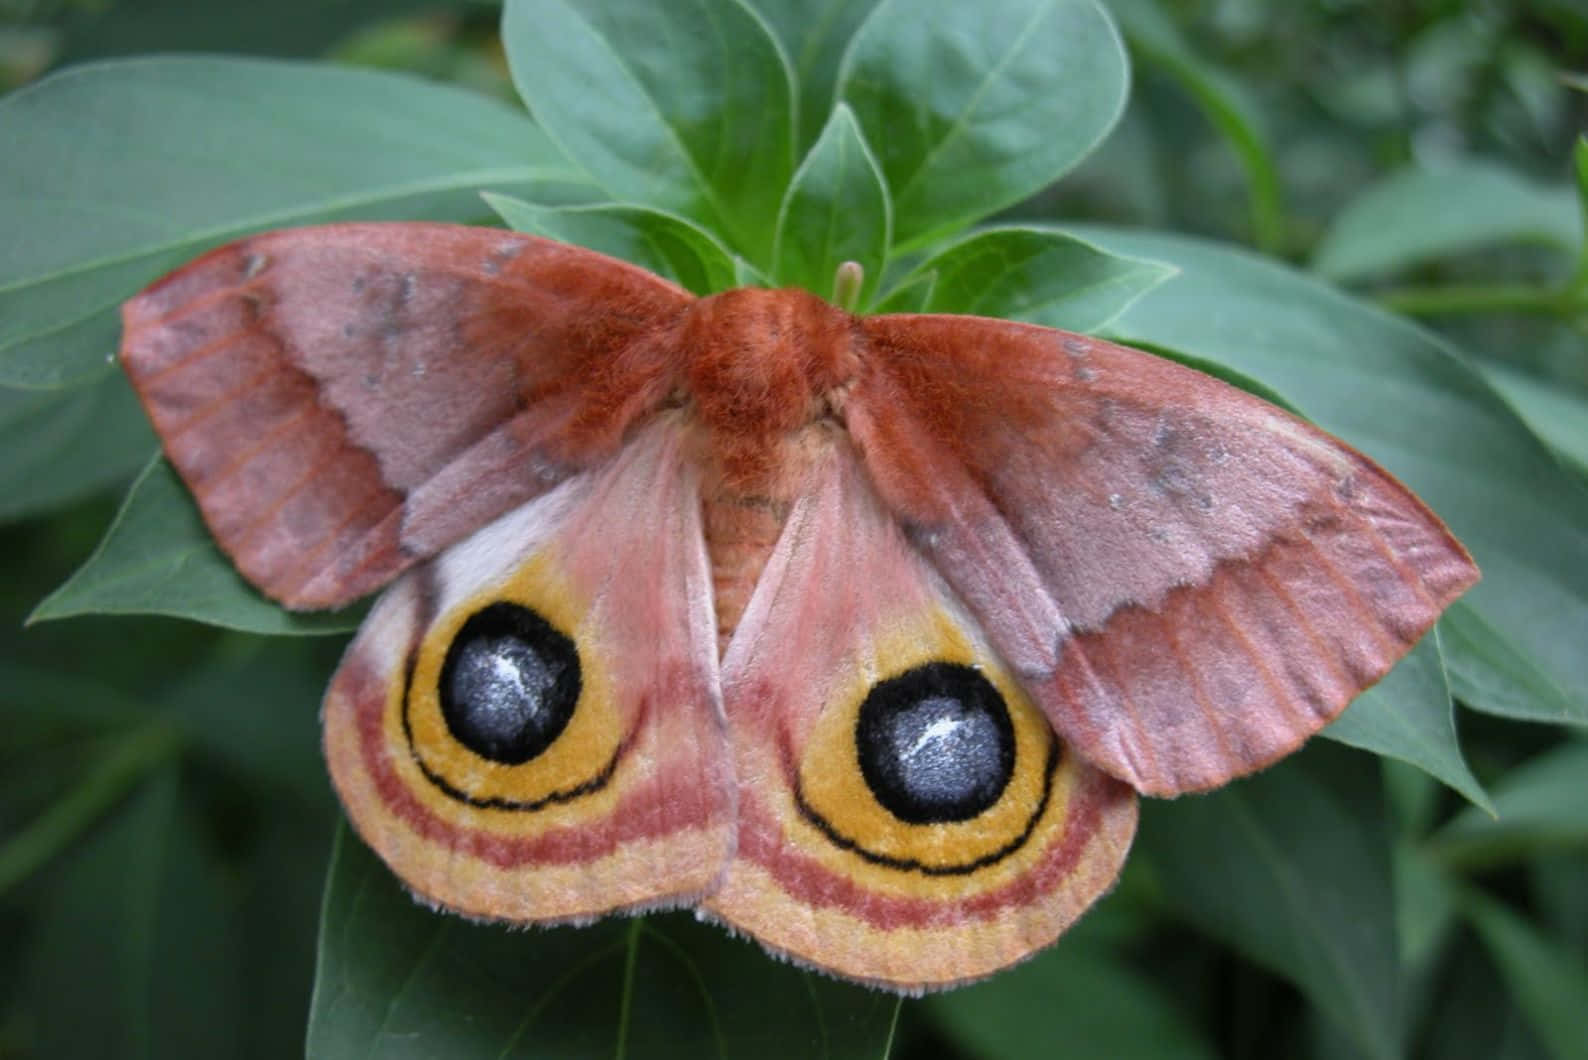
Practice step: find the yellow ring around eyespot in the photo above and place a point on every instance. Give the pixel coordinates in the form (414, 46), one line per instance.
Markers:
(575, 759)
(835, 790)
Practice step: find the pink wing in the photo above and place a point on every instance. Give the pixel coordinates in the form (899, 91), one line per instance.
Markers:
(1189, 580)
(529, 727)
(346, 400)
(906, 815)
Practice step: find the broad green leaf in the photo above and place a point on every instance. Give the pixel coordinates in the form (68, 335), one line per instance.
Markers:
(281, 28)
(1291, 867)
(158, 559)
(1417, 215)
(1555, 410)
(397, 980)
(118, 172)
(1538, 805)
(1548, 982)
(1499, 675)
(1158, 42)
(686, 107)
(1074, 999)
(911, 295)
(973, 107)
(1416, 800)
(1408, 715)
(65, 444)
(1038, 275)
(836, 210)
(1398, 393)
(664, 243)
(747, 275)
(814, 35)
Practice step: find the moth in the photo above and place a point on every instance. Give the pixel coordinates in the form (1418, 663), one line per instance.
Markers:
(857, 634)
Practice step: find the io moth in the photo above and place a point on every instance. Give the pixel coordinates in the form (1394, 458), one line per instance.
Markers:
(857, 634)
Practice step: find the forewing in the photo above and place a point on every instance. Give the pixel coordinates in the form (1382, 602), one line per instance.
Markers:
(346, 400)
(1190, 580)
(530, 727)
(907, 816)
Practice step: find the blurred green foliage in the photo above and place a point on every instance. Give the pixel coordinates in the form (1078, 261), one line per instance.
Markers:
(165, 820)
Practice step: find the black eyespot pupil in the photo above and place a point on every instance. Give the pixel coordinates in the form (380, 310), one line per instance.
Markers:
(509, 684)
(935, 743)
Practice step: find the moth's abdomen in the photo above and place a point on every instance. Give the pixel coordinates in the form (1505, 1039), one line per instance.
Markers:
(740, 534)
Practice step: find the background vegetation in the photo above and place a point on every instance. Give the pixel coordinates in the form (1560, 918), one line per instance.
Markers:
(1389, 200)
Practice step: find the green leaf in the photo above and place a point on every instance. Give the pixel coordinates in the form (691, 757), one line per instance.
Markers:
(1074, 999)
(686, 107)
(747, 275)
(283, 28)
(664, 243)
(1157, 41)
(158, 559)
(1035, 274)
(397, 980)
(1398, 393)
(911, 295)
(1418, 215)
(1537, 806)
(1547, 982)
(1408, 715)
(1555, 411)
(814, 35)
(973, 107)
(1291, 867)
(1492, 671)
(836, 210)
(61, 445)
(116, 173)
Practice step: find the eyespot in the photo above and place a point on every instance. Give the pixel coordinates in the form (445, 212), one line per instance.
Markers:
(935, 744)
(504, 707)
(509, 684)
(941, 768)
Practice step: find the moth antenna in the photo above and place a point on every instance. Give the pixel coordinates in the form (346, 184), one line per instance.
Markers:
(851, 275)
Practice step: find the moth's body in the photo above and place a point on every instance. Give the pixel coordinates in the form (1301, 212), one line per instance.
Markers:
(763, 378)
(857, 633)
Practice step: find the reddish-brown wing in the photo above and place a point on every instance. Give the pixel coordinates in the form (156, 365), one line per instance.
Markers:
(906, 816)
(346, 400)
(1189, 580)
(529, 727)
